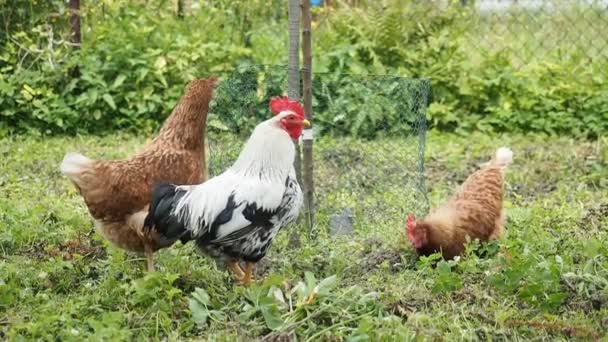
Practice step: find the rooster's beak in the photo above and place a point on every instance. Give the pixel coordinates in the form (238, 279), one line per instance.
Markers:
(305, 123)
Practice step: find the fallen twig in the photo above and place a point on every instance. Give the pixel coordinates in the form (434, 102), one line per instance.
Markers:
(570, 330)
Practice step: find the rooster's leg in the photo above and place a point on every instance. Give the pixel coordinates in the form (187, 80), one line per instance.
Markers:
(248, 273)
(236, 270)
(311, 297)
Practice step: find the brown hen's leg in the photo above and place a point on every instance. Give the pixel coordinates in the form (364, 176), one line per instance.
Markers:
(236, 270)
(150, 260)
(499, 226)
(248, 273)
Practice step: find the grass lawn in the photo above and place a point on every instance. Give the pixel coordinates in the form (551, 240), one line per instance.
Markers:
(547, 279)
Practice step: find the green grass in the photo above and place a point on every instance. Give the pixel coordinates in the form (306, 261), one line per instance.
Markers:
(546, 280)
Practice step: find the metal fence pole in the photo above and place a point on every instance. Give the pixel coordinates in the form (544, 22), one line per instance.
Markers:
(293, 76)
(293, 85)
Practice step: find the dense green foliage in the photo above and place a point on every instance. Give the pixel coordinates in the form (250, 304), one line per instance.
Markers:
(360, 105)
(546, 280)
(136, 58)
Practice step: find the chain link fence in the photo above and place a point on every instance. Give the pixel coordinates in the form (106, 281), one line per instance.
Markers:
(531, 31)
(368, 148)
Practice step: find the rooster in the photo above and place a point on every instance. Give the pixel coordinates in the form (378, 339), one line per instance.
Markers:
(475, 211)
(235, 216)
(117, 192)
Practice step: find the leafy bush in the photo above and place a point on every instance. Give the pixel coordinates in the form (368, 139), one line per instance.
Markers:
(489, 93)
(131, 70)
(361, 106)
(543, 97)
(136, 59)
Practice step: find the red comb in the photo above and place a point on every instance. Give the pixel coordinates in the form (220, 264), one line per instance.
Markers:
(278, 104)
(411, 219)
(411, 224)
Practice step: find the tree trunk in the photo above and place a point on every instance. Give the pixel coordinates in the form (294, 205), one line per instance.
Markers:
(75, 23)
(293, 86)
(307, 140)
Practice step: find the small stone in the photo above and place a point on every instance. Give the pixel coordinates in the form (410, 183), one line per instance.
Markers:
(342, 223)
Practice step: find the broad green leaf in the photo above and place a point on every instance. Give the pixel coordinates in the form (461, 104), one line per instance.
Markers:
(109, 100)
(119, 81)
(198, 304)
(220, 126)
(272, 316)
(327, 284)
(201, 296)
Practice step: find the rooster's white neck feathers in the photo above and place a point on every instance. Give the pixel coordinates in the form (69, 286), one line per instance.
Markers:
(269, 153)
(258, 176)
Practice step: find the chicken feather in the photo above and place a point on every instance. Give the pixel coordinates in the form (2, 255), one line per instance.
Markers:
(236, 215)
(475, 211)
(117, 192)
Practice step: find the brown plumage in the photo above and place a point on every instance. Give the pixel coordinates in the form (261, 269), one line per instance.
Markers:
(118, 192)
(476, 211)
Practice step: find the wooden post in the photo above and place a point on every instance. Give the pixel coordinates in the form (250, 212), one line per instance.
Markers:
(75, 23)
(307, 137)
(293, 85)
(180, 9)
(74, 6)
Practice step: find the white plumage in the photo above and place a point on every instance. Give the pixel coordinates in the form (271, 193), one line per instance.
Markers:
(258, 176)
(503, 157)
(73, 163)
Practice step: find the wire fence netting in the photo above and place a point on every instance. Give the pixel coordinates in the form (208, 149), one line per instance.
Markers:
(533, 31)
(369, 141)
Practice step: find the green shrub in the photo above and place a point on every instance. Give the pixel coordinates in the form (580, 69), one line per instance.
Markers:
(135, 61)
(488, 93)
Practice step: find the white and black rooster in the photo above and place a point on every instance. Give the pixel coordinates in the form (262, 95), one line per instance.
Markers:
(235, 216)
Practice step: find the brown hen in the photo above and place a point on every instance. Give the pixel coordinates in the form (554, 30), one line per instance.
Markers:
(475, 211)
(118, 192)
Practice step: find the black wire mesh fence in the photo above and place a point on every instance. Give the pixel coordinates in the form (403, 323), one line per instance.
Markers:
(542, 30)
(369, 136)
(525, 32)
(533, 31)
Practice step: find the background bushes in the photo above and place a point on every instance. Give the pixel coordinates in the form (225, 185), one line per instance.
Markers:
(136, 58)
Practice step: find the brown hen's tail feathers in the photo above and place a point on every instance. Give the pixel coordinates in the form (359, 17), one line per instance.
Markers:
(502, 158)
(73, 165)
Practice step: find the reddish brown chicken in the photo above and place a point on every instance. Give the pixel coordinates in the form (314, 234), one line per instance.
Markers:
(118, 192)
(475, 211)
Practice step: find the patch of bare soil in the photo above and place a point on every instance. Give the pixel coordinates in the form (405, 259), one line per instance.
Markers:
(377, 253)
(83, 245)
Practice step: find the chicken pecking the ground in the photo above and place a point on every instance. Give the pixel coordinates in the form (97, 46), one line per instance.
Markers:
(475, 211)
(235, 216)
(118, 192)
